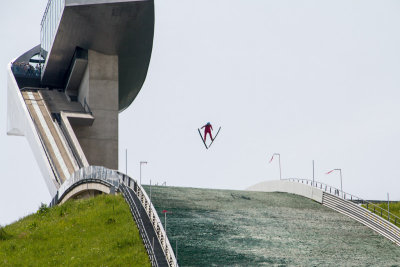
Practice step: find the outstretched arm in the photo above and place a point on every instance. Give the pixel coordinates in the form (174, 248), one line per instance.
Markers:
(202, 127)
(211, 128)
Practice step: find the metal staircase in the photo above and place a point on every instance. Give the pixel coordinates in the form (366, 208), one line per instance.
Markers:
(357, 208)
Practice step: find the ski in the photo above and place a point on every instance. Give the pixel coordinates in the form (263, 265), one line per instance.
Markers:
(202, 139)
(214, 137)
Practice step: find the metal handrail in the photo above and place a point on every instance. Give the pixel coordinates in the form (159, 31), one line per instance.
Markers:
(116, 178)
(136, 214)
(346, 196)
(156, 222)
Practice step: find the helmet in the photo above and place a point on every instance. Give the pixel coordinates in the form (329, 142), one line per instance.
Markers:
(208, 123)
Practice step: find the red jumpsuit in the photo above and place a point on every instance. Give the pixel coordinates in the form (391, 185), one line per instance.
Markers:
(207, 130)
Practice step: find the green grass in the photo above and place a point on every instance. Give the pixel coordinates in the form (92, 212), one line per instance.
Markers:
(94, 232)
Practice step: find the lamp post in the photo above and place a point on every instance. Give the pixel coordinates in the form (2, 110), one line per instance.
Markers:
(388, 208)
(280, 169)
(141, 163)
(126, 161)
(313, 173)
(341, 185)
(165, 219)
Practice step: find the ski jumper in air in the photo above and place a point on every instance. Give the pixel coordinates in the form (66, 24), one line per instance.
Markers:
(208, 127)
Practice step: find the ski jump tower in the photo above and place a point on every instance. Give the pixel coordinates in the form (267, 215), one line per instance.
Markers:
(65, 94)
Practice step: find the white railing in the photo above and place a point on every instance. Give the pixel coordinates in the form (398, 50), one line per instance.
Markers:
(366, 217)
(154, 219)
(136, 215)
(346, 196)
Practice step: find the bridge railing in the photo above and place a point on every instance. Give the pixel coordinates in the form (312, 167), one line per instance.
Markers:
(346, 196)
(142, 230)
(115, 178)
(154, 218)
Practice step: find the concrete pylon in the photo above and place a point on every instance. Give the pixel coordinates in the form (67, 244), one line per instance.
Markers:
(99, 90)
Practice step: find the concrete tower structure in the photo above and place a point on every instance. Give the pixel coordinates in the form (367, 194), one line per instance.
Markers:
(65, 94)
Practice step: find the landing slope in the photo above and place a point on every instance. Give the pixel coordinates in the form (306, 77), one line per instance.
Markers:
(95, 232)
(224, 227)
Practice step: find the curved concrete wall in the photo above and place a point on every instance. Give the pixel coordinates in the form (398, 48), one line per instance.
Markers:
(19, 123)
(289, 187)
(86, 190)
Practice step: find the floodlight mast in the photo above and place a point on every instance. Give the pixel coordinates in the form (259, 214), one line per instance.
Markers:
(280, 169)
(341, 184)
(126, 161)
(313, 177)
(165, 219)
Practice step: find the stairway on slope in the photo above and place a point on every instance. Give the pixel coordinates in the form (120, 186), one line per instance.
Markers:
(363, 216)
(148, 227)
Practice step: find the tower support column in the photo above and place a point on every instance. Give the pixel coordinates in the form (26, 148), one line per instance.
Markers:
(98, 90)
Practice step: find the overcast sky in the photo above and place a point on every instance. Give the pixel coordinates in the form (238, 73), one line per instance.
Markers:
(311, 80)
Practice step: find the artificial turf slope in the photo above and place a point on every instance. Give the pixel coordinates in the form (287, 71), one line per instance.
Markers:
(241, 228)
(94, 232)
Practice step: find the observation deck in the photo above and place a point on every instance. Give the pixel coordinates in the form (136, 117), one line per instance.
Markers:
(123, 28)
(65, 94)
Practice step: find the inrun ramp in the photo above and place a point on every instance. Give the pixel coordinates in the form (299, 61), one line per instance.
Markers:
(53, 140)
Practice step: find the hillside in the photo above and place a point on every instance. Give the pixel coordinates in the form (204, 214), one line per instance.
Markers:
(208, 227)
(95, 232)
(240, 228)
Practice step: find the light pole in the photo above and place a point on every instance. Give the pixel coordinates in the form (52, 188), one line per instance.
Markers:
(126, 161)
(165, 219)
(141, 163)
(280, 169)
(341, 185)
(313, 173)
(388, 209)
